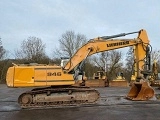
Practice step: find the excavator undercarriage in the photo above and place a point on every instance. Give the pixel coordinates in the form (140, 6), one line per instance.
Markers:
(60, 96)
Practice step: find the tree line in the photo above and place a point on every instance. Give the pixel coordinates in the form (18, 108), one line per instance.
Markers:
(32, 50)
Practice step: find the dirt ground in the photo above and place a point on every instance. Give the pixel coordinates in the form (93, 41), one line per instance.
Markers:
(111, 106)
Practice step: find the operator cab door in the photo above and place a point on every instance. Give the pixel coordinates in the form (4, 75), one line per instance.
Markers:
(40, 76)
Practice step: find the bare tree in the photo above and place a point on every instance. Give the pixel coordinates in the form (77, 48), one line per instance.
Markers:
(129, 59)
(3, 52)
(32, 50)
(3, 63)
(155, 55)
(110, 62)
(129, 64)
(69, 43)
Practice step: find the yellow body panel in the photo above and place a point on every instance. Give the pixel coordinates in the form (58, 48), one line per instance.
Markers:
(22, 76)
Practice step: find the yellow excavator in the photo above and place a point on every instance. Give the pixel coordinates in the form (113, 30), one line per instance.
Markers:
(54, 85)
(120, 81)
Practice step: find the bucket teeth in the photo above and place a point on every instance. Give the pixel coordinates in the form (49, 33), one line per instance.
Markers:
(140, 91)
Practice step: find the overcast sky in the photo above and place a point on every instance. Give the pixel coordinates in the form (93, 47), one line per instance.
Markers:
(49, 19)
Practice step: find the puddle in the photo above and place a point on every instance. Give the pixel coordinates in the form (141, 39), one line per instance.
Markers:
(8, 108)
(113, 100)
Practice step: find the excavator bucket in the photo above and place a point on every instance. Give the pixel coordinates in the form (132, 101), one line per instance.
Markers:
(140, 91)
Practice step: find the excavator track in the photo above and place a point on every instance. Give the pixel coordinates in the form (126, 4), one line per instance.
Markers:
(50, 96)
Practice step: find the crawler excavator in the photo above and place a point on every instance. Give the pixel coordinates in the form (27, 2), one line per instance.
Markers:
(54, 84)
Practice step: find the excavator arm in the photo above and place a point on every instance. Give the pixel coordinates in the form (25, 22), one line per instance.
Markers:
(105, 43)
(140, 90)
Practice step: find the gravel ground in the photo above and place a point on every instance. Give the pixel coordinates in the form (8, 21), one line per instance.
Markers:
(111, 106)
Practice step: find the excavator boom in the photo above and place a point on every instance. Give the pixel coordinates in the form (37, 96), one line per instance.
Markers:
(105, 43)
